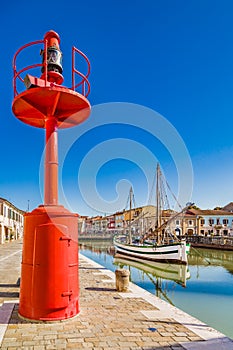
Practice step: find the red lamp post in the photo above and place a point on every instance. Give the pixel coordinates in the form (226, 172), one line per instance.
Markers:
(49, 287)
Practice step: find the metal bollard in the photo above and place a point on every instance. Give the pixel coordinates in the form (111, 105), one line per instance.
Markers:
(122, 280)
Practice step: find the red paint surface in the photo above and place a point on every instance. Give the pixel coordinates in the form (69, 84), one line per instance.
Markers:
(49, 287)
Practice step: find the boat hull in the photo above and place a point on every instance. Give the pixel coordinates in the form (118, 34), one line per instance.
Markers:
(175, 252)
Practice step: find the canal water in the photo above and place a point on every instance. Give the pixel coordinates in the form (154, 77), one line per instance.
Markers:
(204, 289)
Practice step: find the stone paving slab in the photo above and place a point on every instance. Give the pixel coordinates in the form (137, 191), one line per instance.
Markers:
(10, 265)
(108, 319)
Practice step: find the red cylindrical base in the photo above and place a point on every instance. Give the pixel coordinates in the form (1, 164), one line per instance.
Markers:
(49, 286)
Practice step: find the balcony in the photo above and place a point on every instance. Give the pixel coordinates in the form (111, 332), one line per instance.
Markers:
(218, 226)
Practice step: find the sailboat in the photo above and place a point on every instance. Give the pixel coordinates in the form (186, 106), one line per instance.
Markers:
(157, 244)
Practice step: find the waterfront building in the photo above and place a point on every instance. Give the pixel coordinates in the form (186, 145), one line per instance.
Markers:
(190, 223)
(119, 220)
(131, 220)
(11, 221)
(205, 223)
(143, 219)
(228, 207)
(110, 222)
(88, 225)
(185, 224)
(103, 224)
(140, 219)
(82, 223)
(96, 224)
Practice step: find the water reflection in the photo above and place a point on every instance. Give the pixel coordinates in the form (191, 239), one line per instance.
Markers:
(175, 272)
(214, 257)
(156, 272)
(197, 257)
(98, 247)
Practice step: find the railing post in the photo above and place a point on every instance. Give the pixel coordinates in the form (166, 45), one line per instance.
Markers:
(45, 63)
(73, 64)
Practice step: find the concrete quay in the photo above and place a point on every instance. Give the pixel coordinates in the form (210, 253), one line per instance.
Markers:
(108, 319)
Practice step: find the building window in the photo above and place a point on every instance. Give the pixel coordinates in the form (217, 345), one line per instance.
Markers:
(211, 221)
(202, 221)
(177, 222)
(225, 221)
(218, 222)
(4, 212)
(190, 222)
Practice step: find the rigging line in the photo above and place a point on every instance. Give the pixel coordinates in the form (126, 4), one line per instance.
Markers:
(127, 202)
(134, 202)
(141, 216)
(173, 194)
(166, 203)
(159, 288)
(152, 190)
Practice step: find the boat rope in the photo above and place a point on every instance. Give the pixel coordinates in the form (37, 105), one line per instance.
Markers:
(176, 200)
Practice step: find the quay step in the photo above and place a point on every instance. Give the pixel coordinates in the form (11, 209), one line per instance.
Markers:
(6, 310)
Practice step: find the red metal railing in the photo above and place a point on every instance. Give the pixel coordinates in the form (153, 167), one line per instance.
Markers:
(18, 74)
(84, 84)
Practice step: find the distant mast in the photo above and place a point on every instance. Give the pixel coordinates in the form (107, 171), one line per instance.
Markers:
(158, 204)
(130, 213)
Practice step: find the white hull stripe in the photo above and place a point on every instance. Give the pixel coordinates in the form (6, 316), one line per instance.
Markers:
(135, 251)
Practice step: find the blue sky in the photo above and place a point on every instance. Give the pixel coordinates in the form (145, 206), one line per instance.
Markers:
(173, 57)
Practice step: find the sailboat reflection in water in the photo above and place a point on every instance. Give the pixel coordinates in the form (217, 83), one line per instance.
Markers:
(178, 273)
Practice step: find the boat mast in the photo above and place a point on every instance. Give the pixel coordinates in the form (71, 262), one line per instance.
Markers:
(130, 213)
(158, 205)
